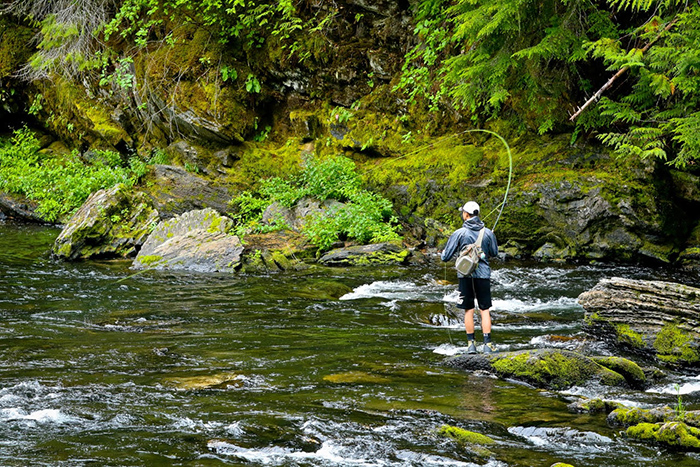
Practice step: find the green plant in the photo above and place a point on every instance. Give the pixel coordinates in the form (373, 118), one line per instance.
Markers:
(228, 73)
(358, 214)
(252, 85)
(59, 185)
(679, 408)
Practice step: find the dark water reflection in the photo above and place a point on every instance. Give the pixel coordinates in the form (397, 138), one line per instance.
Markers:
(100, 368)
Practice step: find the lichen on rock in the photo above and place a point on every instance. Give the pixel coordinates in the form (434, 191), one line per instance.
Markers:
(111, 223)
(195, 241)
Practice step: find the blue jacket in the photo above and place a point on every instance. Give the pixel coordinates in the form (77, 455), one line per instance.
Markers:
(466, 235)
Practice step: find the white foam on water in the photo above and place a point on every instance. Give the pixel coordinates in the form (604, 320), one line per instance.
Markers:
(328, 452)
(520, 306)
(54, 416)
(688, 387)
(449, 349)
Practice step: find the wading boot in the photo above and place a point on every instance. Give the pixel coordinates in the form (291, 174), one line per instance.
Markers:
(489, 348)
(471, 348)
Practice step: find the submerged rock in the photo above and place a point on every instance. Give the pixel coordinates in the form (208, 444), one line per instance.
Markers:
(655, 317)
(376, 253)
(195, 241)
(544, 368)
(111, 223)
(474, 442)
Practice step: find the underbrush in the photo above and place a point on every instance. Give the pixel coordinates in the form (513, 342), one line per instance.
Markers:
(60, 184)
(358, 214)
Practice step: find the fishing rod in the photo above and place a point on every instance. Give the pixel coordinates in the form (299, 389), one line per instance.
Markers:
(473, 130)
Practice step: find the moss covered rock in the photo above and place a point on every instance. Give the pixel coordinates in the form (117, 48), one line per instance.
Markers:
(632, 372)
(111, 223)
(474, 442)
(363, 255)
(675, 435)
(545, 368)
(195, 241)
(627, 416)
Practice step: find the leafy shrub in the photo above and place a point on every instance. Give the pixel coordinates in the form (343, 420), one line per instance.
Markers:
(363, 216)
(60, 185)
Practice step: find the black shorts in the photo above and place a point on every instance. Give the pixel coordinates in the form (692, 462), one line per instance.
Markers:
(470, 288)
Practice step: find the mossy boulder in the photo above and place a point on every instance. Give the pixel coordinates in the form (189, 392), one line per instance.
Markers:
(474, 442)
(364, 255)
(543, 368)
(175, 191)
(111, 223)
(674, 435)
(628, 416)
(593, 406)
(633, 373)
(195, 241)
(277, 251)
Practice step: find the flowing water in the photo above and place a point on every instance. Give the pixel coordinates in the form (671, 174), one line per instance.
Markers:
(322, 368)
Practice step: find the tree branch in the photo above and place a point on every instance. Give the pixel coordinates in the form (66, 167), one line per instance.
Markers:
(621, 72)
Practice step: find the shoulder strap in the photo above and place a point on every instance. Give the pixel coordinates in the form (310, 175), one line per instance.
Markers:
(480, 237)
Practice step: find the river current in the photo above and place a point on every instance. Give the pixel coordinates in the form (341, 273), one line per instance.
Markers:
(330, 367)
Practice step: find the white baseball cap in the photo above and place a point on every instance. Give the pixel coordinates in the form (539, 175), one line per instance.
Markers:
(470, 208)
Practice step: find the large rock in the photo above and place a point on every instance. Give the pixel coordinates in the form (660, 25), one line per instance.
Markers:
(376, 253)
(296, 216)
(543, 368)
(18, 208)
(111, 223)
(195, 241)
(657, 317)
(176, 191)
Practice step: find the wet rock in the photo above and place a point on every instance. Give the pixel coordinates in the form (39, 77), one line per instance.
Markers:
(218, 381)
(195, 241)
(560, 436)
(593, 406)
(175, 191)
(676, 435)
(277, 251)
(544, 368)
(18, 208)
(659, 318)
(627, 416)
(633, 373)
(474, 442)
(111, 223)
(377, 253)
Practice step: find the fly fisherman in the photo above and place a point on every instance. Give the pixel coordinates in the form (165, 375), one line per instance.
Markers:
(478, 283)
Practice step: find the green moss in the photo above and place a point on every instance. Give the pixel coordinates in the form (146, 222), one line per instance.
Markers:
(380, 257)
(561, 464)
(464, 436)
(627, 335)
(15, 47)
(672, 434)
(673, 345)
(554, 369)
(632, 373)
(625, 416)
(150, 260)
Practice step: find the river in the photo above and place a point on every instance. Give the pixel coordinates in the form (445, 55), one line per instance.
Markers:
(102, 367)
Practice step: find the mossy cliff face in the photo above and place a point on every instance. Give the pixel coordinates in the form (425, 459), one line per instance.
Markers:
(566, 202)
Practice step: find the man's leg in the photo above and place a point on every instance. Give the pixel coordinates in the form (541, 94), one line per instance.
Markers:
(469, 321)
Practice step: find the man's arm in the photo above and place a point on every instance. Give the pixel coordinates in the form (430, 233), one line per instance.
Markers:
(451, 247)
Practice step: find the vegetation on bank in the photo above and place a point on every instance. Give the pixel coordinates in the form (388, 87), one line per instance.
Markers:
(60, 184)
(358, 214)
(530, 64)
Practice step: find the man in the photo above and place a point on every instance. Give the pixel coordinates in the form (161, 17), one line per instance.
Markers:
(478, 283)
